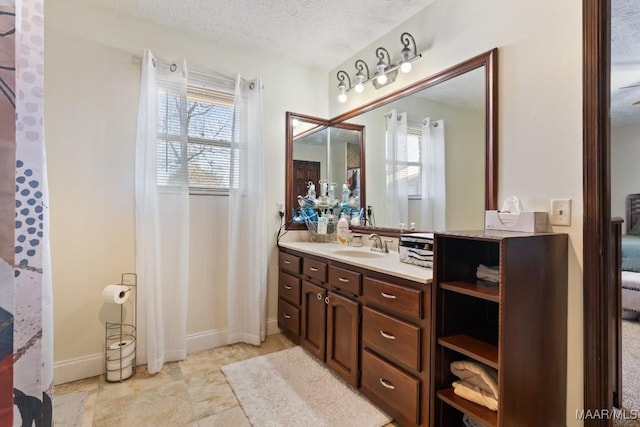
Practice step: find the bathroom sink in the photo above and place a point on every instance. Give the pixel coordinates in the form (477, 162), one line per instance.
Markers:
(358, 253)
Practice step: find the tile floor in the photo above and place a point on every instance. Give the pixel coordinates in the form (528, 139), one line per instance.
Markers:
(192, 393)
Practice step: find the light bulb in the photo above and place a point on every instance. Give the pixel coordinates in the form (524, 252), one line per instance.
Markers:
(405, 67)
(382, 77)
(342, 89)
(359, 87)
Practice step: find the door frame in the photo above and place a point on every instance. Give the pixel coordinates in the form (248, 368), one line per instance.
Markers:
(598, 393)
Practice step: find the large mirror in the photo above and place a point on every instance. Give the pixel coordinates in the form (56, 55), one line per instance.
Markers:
(431, 150)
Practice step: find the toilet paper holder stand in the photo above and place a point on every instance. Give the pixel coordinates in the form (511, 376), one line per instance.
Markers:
(120, 337)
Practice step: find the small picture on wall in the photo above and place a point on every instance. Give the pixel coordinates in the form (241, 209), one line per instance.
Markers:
(353, 181)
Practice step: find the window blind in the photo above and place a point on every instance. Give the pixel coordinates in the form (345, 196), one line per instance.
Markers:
(209, 128)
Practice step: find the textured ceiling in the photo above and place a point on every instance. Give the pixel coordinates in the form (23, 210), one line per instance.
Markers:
(323, 33)
(625, 62)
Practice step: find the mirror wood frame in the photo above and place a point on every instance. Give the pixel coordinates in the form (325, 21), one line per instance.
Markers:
(321, 123)
(488, 59)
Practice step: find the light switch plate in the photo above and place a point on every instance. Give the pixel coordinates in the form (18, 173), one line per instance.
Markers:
(560, 212)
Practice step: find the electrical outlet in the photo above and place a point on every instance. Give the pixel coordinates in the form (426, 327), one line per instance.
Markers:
(560, 213)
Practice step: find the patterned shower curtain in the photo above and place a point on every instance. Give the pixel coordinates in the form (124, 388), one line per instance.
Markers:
(26, 312)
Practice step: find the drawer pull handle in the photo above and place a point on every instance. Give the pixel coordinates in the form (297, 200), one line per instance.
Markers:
(343, 280)
(387, 336)
(387, 384)
(286, 261)
(313, 269)
(287, 287)
(326, 300)
(388, 296)
(286, 316)
(319, 296)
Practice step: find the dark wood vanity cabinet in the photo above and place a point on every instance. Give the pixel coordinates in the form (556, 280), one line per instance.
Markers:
(328, 311)
(518, 327)
(396, 355)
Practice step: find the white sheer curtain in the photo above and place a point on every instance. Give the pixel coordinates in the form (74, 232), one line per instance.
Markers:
(162, 212)
(432, 156)
(397, 191)
(247, 250)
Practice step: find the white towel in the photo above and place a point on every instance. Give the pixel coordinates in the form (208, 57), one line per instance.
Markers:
(491, 274)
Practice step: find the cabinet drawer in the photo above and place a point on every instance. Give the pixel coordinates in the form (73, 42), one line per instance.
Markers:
(398, 389)
(288, 317)
(314, 269)
(345, 279)
(289, 262)
(394, 298)
(392, 338)
(289, 288)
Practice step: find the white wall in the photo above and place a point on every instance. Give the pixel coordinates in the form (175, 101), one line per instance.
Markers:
(625, 174)
(540, 111)
(92, 86)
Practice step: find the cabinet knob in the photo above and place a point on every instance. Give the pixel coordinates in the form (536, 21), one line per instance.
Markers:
(286, 316)
(326, 300)
(319, 296)
(387, 336)
(388, 296)
(313, 269)
(287, 287)
(387, 384)
(343, 280)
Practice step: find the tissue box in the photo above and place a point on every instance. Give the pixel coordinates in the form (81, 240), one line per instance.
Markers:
(417, 249)
(525, 221)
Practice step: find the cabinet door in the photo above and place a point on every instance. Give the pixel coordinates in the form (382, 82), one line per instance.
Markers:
(343, 336)
(314, 316)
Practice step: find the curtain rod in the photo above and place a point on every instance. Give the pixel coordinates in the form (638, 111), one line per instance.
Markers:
(199, 73)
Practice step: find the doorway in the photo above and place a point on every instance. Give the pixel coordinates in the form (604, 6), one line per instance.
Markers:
(304, 171)
(601, 318)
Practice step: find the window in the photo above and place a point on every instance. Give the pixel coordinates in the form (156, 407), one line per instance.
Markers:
(414, 165)
(209, 124)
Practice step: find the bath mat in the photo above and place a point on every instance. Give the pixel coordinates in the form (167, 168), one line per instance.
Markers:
(292, 388)
(68, 409)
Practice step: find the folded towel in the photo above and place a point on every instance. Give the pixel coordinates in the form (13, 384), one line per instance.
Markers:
(491, 274)
(478, 375)
(470, 422)
(475, 394)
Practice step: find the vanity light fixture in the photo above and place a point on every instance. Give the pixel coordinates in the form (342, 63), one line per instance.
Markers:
(386, 71)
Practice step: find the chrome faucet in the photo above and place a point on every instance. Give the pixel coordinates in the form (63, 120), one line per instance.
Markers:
(378, 246)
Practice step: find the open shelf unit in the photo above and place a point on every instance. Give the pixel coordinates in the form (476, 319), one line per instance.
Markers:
(517, 327)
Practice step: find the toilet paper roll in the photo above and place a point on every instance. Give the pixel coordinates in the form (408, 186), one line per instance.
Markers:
(120, 374)
(120, 349)
(117, 294)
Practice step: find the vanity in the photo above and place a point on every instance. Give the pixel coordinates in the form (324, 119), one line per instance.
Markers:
(392, 330)
(367, 316)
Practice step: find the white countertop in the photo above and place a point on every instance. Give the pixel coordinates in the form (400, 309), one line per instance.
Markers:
(386, 263)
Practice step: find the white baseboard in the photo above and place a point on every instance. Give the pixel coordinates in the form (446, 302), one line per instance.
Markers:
(93, 365)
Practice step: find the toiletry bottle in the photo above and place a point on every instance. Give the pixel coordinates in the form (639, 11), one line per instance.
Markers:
(345, 194)
(322, 224)
(343, 230)
(311, 192)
